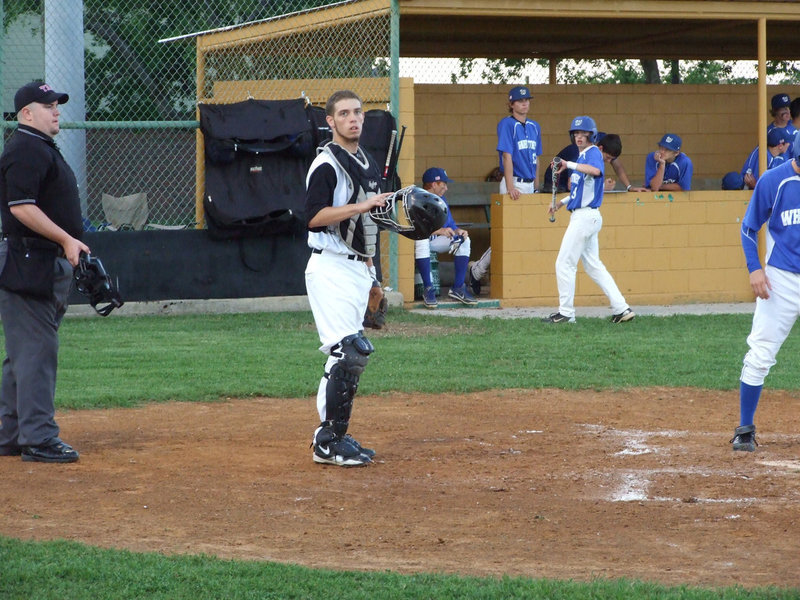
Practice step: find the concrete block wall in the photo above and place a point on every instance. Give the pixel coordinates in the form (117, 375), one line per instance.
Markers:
(456, 124)
(661, 248)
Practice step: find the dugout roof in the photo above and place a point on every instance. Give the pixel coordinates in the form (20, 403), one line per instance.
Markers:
(656, 29)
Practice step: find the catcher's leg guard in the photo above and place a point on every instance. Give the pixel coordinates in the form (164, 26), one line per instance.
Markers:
(354, 351)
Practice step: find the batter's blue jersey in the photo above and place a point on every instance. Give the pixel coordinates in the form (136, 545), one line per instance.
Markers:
(776, 201)
(449, 221)
(587, 190)
(679, 171)
(523, 142)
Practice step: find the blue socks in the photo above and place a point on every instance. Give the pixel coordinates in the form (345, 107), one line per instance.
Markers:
(424, 268)
(748, 402)
(460, 265)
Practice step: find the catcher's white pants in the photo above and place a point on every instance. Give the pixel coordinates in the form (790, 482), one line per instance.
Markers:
(580, 243)
(338, 291)
(772, 321)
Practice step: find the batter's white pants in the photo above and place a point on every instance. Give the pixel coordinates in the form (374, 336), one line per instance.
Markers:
(338, 291)
(580, 243)
(772, 321)
(439, 244)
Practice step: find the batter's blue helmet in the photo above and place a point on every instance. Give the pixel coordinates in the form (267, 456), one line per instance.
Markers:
(583, 124)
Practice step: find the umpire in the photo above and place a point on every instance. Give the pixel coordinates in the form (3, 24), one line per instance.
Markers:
(42, 228)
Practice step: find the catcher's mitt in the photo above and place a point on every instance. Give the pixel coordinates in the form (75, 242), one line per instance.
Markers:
(376, 307)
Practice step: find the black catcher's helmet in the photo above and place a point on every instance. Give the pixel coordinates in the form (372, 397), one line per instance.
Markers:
(411, 212)
(92, 281)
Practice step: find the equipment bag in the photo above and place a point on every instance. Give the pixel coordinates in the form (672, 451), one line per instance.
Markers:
(257, 153)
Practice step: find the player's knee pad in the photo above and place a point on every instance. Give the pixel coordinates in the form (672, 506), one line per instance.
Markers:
(354, 351)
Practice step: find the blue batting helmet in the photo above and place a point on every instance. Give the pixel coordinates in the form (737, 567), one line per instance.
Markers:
(583, 124)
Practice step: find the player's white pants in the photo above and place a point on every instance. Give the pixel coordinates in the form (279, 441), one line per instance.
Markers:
(338, 291)
(772, 321)
(580, 243)
(524, 188)
(482, 265)
(439, 244)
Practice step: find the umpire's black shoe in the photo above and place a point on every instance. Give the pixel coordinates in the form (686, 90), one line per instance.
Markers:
(55, 451)
(10, 450)
(744, 438)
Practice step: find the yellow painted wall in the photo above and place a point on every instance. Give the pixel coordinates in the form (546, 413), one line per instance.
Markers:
(661, 248)
(456, 124)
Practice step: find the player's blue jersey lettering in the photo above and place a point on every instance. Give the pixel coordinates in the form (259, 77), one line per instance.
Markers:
(679, 171)
(587, 190)
(523, 141)
(776, 201)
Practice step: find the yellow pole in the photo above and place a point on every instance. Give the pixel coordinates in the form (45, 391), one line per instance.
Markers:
(762, 96)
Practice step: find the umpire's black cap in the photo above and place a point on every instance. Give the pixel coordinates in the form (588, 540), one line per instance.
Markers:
(37, 91)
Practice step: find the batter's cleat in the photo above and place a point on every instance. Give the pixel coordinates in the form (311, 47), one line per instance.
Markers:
(625, 315)
(429, 297)
(340, 452)
(744, 438)
(557, 317)
(474, 284)
(463, 295)
(369, 452)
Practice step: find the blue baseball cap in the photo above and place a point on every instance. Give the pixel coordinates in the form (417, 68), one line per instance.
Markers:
(733, 181)
(780, 101)
(519, 93)
(778, 135)
(435, 174)
(670, 141)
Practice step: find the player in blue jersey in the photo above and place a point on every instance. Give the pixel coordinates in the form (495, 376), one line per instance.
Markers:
(775, 201)
(449, 238)
(778, 141)
(781, 113)
(668, 169)
(580, 238)
(519, 145)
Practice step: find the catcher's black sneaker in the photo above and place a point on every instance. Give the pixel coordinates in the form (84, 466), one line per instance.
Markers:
(625, 315)
(744, 438)
(369, 452)
(558, 318)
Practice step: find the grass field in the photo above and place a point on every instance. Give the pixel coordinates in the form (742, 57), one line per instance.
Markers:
(132, 361)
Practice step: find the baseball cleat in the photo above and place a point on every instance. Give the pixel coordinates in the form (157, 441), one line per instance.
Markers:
(474, 284)
(625, 315)
(369, 452)
(341, 453)
(463, 295)
(558, 318)
(744, 438)
(429, 297)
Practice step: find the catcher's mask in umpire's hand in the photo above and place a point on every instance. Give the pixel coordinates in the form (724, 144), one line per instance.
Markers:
(411, 212)
(92, 281)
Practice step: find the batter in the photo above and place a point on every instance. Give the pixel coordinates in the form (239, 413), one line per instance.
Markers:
(580, 238)
(342, 185)
(775, 201)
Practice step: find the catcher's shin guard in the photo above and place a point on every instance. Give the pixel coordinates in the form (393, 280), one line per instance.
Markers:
(353, 351)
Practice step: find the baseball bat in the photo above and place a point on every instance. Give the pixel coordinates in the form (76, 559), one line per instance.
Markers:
(556, 163)
(389, 154)
(393, 165)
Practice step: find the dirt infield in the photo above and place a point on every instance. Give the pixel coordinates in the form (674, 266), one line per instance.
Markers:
(544, 483)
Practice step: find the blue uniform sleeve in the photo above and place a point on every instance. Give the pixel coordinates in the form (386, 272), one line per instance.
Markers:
(750, 247)
(751, 164)
(650, 167)
(687, 169)
(505, 138)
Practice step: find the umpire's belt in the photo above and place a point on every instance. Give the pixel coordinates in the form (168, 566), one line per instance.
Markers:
(347, 256)
(59, 247)
(522, 180)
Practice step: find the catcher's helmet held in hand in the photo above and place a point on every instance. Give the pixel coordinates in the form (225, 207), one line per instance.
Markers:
(92, 281)
(583, 124)
(411, 212)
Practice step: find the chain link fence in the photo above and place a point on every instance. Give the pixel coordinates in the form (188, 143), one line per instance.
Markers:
(130, 126)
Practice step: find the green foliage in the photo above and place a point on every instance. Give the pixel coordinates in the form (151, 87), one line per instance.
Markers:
(56, 570)
(126, 361)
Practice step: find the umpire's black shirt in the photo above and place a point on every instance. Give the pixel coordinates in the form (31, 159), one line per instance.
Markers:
(32, 171)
